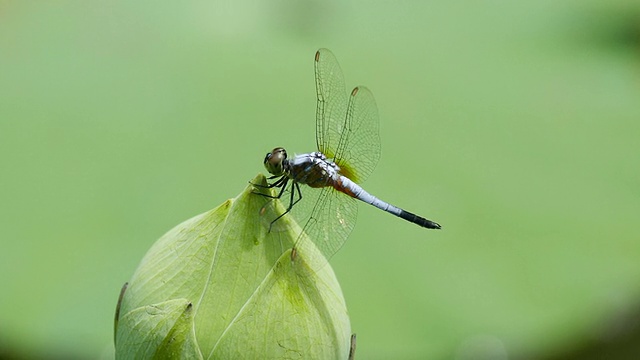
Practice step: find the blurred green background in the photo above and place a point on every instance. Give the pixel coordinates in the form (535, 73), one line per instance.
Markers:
(515, 125)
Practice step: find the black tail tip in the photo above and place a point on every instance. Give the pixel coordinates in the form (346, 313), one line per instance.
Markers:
(432, 225)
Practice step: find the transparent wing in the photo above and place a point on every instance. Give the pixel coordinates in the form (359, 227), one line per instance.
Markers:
(346, 131)
(329, 223)
(326, 216)
(358, 150)
(346, 128)
(332, 102)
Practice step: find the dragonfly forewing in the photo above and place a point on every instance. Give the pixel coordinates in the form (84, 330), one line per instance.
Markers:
(332, 102)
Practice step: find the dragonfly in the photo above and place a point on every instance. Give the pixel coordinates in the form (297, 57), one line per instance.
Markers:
(323, 185)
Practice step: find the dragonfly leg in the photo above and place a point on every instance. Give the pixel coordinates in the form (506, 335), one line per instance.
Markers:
(294, 187)
(269, 186)
(282, 182)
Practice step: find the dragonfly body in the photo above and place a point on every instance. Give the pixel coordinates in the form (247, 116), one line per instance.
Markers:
(315, 170)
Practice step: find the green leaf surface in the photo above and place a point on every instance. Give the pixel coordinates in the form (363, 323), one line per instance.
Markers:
(220, 285)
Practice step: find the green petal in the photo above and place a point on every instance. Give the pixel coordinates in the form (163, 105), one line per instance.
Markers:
(157, 331)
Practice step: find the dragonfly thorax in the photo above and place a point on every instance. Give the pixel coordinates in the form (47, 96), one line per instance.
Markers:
(313, 169)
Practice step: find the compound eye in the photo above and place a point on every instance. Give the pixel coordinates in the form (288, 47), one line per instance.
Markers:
(274, 161)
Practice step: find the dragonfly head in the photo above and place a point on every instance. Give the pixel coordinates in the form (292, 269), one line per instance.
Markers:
(276, 161)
